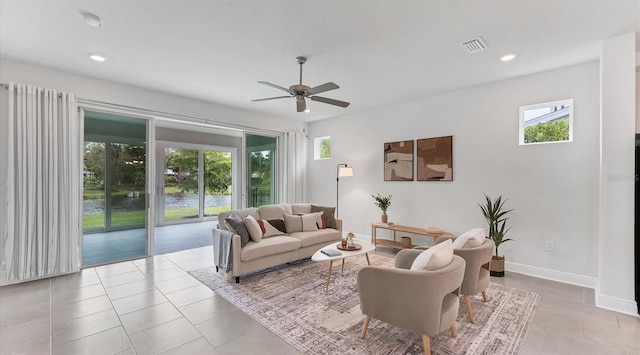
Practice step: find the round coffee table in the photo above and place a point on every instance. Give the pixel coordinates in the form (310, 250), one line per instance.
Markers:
(320, 256)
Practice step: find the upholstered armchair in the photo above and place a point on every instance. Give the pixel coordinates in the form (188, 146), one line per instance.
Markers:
(476, 277)
(425, 302)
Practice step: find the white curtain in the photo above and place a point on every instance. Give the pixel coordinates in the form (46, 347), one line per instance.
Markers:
(42, 228)
(295, 166)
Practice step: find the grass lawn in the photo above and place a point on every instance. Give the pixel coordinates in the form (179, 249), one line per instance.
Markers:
(138, 217)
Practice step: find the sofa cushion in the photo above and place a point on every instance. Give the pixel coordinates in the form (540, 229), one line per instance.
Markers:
(272, 227)
(434, 258)
(254, 229)
(236, 225)
(300, 223)
(317, 237)
(470, 239)
(274, 211)
(242, 213)
(269, 246)
(300, 208)
(329, 215)
(319, 219)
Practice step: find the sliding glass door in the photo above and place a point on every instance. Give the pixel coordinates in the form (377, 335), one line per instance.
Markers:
(114, 203)
(195, 182)
(261, 170)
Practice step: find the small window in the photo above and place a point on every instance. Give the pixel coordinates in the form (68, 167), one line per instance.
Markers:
(549, 122)
(322, 148)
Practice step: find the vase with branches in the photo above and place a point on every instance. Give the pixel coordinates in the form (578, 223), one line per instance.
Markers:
(383, 203)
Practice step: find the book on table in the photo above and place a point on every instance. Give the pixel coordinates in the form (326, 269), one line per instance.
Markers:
(330, 252)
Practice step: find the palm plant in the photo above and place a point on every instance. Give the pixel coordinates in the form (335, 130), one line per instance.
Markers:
(494, 213)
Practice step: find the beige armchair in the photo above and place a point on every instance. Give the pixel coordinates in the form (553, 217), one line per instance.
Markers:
(425, 302)
(476, 277)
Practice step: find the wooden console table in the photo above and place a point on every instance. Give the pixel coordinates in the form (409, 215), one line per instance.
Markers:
(395, 244)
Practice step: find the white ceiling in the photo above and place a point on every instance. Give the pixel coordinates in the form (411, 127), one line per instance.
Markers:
(379, 52)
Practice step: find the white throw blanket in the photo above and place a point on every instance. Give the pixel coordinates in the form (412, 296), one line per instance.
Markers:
(225, 257)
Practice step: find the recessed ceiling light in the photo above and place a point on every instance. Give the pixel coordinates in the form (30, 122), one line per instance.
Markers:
(91, 19)
(508, 57)
(97, 58)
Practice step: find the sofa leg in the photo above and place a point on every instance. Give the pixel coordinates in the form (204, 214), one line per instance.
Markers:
(484, 296)
(217, 270)
(237, 279)
(453, 331)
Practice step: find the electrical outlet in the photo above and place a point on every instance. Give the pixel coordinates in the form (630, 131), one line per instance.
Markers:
(549, 245)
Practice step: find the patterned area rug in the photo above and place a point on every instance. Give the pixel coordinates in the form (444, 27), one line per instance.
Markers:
(290, 301)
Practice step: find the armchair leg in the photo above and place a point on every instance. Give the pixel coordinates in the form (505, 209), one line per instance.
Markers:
(484, 296)
(453, 331)
(427, 344)
(467, 300)
(367, 318)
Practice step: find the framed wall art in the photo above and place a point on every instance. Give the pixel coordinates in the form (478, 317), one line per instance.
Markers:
(398, 161)
(435, 159)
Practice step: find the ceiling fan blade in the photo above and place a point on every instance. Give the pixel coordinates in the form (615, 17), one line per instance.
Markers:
(330, 101)
(273, 85)
(272, 98)
(301, 104)
(322, 88)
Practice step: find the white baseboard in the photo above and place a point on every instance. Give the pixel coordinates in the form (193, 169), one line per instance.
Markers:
(617, 304)
(560, 276)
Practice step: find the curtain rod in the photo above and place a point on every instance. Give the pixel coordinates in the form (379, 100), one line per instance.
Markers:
(172, 116)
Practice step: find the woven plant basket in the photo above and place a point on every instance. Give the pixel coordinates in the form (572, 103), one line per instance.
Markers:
(496, 267)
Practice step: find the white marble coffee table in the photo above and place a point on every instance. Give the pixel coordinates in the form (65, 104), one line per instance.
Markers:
(319, 256)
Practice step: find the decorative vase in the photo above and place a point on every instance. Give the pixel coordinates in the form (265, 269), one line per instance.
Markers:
(384, 217)
(350, 242)
(496, 267)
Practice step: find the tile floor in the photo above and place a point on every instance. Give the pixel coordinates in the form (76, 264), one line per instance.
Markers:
(153, 306)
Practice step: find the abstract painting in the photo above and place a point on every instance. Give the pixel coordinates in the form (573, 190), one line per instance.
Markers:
(398, 161)
(435, 159)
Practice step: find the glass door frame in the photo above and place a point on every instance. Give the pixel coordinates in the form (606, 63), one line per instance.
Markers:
(85, 105)
(159, 184)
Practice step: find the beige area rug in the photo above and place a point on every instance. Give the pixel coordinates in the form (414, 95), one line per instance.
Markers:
(290, 301)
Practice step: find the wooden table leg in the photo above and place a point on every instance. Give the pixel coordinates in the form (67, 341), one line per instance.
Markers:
(342, 266)
(367, 255)
(329, 276)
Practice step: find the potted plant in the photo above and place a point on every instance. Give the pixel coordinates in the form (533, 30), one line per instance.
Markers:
(383, 202)
(495, 214)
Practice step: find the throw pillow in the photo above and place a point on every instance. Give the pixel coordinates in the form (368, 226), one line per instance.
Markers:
(434, 258)
(319, 219)
(272, 227)
(255, 232)
(235, 223)
(329, 215)
(470, 239)
(300, 223)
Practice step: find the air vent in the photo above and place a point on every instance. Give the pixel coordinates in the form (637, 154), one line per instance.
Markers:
(474, 45)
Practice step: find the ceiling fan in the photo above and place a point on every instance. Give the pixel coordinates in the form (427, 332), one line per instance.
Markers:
(300, 92)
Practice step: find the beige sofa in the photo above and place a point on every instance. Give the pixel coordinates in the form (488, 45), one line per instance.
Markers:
(273, 250)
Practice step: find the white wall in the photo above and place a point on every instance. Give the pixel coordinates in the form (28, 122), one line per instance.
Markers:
(113, 93)
(617, 180)
(553, 187)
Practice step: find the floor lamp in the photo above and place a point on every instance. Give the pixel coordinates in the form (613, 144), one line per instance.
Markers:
(342, 170)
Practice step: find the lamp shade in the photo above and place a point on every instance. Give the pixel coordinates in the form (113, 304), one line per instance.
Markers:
(345, 172)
